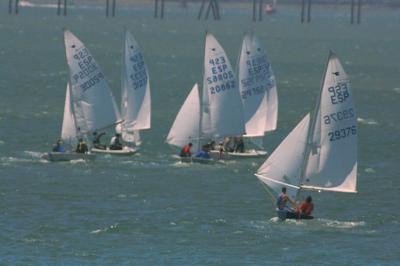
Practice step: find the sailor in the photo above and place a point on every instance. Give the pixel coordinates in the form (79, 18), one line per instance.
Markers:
(97, 140)
(204, 153)
(239, 144)
(281, 201)
(115, 143)
(58, 146)
(82, 147)
(185, 152)
(306, 207)
(226, 144)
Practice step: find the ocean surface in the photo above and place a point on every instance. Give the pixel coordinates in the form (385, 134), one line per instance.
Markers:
(149, 209)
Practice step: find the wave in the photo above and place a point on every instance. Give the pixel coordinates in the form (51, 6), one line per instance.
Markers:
(112, 227)
(317, 223)
(367, 121)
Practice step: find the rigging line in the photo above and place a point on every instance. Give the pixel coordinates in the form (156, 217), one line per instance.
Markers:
(267, 189)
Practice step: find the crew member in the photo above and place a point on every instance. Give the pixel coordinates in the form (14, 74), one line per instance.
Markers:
(82, 147)
(185, 152)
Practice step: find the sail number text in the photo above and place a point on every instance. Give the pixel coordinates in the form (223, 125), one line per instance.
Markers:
(342, 133)
(89, 73)
(339, 93)
(253, 91)
(222, 77)
(139, 75)
(339, 116)
(222, 87)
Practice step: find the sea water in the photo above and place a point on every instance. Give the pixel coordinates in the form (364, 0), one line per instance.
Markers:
(149, 209)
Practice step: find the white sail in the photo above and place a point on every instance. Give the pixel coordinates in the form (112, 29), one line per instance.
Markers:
(222, 108)
(93, 103)
(185, 128)
(332, 161)
(135, 104)
(68, 131)
(284, 166)
(257, 88)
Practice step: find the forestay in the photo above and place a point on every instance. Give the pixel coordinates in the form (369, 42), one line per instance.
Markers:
(332, 159)
(222, 107)
(136, 101)
(284, 166)
(93, 103)
(185, 128)
(68, 130)
(257, 88)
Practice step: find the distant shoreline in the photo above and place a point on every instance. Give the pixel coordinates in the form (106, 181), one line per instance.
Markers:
(341, 3)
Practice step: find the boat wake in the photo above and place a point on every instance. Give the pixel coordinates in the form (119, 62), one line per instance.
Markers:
(340, 224)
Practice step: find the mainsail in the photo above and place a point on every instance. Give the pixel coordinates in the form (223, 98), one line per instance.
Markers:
(332, 159)
(93, 102)
(221, 105)
(257, 87)
(322, 154)
(186, 127)
(136, 102)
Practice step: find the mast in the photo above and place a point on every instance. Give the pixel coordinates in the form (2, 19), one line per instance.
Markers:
(312, 128)
(201, 99)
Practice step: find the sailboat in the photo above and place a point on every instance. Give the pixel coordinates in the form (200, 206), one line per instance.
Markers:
(219, 112)
(271, 8)
(320, 153)
(93, 103)
(186, 127)
(68, 136)
(258, 92)
(136, 101)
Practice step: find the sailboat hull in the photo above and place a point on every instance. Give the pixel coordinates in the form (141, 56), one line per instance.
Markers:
(240, 155)
(67, 156)
(284, 214)
(197, 160)
(125, 151)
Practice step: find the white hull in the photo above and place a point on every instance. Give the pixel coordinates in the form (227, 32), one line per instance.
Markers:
(67, 156)
(240, 155)
(197, 160)
(125, 151)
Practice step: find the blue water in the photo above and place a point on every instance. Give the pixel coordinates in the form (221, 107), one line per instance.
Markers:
(149, 209)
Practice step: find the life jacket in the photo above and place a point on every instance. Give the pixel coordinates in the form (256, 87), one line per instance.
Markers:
(306, 208)
(185, 151)
(82, 147)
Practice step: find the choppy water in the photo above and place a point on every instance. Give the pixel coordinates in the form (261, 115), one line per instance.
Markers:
(148, 209)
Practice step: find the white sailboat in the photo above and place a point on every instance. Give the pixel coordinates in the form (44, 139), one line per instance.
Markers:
(219, 112)
(93, 103)
(318, 154)
(258, 92)
(68, 136)
(136, 101)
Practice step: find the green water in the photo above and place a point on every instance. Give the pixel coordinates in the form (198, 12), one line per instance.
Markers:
(149, 209)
